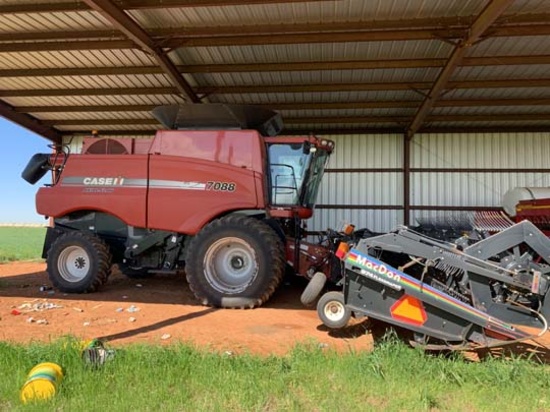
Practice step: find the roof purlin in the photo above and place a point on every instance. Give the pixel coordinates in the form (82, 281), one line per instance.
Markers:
(120, 20)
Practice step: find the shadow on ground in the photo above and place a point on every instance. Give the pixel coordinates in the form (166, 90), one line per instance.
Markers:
(161, 288)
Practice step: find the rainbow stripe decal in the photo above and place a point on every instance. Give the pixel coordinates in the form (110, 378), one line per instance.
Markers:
(389, 274)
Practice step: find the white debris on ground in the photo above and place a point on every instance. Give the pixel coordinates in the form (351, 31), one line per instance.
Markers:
(38, 306)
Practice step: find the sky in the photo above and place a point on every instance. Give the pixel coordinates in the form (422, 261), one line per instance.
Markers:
(17, 203)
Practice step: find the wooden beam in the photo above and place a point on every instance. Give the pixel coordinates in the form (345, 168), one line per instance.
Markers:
(29, 122)
(123, 22)
(488, 16)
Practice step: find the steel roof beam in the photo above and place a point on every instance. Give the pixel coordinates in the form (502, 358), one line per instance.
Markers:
(29, 122)
(44, 41)
(278, 67)
(123, 22)
(89, 92)
(443, 27)
(486, 18)
(391, 104)
(328, 120)
(327, 36)
(351, 130)
(75, 6)
(420, 28)
(285, 88)
(72, 6)
(431, 118)
(66, 46)
(354, 87)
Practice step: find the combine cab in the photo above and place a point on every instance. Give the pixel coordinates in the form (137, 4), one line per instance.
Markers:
(219, 195)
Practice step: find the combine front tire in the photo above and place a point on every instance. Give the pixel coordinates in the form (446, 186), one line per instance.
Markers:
(235, 262)
(78, 263)
(332, 310)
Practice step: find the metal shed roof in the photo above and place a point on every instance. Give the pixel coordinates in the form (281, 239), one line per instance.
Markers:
(68, 67)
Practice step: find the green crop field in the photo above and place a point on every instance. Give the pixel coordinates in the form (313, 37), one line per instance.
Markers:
(21, 243)
(393, 377)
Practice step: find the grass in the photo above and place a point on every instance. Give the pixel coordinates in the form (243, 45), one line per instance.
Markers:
(393, 377)
(21, 243)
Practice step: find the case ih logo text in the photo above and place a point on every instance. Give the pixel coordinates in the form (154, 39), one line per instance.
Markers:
(103, 181)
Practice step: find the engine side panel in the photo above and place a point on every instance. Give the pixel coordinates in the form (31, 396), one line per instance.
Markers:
(187, 179)
(114, 184)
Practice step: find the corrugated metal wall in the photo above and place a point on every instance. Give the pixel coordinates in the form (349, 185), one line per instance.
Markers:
(447, 171)
(370, 184)
(500, 162)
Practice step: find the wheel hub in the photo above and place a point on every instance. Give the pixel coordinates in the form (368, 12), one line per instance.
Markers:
(230, 265)
(237, 262)
(334, 311)
(80, 263)
(73, 264)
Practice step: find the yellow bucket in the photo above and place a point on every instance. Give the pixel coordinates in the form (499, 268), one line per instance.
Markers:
(42, 382)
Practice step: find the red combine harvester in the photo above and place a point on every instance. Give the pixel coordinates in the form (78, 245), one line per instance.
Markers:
(220, 194)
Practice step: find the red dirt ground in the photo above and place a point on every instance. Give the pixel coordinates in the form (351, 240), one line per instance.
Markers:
(166, 306)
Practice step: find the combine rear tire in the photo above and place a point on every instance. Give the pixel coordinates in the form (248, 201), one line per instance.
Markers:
(332, 310)
(235, 262)
(78, 263)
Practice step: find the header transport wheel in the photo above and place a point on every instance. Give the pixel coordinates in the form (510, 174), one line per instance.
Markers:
(235, 262)
(332, 310)
(78, 263)
(313, 288)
